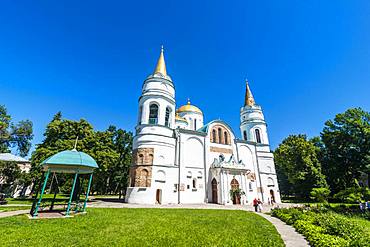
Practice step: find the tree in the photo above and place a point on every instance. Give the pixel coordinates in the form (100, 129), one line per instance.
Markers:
(111, 149)
(9, 174)
(297, 158)
(346, 148)
(14, 135)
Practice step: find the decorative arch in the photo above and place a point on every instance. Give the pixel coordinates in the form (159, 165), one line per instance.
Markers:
(270, 182)
(161, 176)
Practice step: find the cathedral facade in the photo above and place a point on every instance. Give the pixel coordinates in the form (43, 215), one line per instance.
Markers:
(177, 158)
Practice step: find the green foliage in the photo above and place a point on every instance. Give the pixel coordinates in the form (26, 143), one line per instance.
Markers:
(14, 135)
(297, 158)
(353, 195)
(347, 148)
(320, 194)
(9, 174)
(325, 228)
(143, 227)
(110, 148)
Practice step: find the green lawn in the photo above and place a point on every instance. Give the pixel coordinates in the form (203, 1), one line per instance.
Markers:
(142, 227)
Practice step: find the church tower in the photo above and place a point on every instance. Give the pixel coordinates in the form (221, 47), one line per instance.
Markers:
(252, 122)
(153, 156)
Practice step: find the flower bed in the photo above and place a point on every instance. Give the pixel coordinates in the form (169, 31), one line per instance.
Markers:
(325, 228)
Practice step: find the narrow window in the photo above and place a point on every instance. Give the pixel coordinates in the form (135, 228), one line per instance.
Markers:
(225, 138)
(258, 136)
(219, 135)
(167, 117)
(153, 114)
(194, 184)
(214, 137)
(250, 186)
(140, 114)
(245, 134)
(195, 124)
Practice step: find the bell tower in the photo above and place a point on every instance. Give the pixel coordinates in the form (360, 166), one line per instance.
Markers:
(252, 122)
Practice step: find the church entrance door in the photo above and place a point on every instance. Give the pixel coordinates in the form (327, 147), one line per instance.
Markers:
(272, 196)
(234, 186)
(158, 196)
(214, 191)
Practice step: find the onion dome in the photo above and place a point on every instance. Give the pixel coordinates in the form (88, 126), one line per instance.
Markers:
(189, 108)
(180, 119)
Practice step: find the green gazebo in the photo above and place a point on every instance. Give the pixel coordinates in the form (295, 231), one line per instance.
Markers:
(69, 161)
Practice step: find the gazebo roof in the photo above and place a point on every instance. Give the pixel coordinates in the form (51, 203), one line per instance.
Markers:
(70, 161)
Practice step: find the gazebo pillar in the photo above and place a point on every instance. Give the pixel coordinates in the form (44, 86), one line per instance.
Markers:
(71, 195)
(42, 193)
(87, 192)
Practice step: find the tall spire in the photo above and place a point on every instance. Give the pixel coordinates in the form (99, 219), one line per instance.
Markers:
(161, 65)
(249, 100)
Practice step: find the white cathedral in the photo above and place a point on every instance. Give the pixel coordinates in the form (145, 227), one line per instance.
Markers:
(179, 159)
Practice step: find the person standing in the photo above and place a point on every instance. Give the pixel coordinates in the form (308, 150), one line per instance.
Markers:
(255, 204)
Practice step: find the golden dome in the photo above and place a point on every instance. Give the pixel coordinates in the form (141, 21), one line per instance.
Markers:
(178, 118)
(189, 108)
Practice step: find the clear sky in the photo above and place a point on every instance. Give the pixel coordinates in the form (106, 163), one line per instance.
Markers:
(305, 60)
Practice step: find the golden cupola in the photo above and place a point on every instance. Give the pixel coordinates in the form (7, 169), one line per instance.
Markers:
(189, 108)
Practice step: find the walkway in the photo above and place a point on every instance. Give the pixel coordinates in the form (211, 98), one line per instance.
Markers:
(13, 213)
(290, 237)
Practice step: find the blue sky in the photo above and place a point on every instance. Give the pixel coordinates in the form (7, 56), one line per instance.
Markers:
(305, 60)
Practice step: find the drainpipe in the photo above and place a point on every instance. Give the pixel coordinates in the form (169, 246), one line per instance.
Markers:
(205, 171)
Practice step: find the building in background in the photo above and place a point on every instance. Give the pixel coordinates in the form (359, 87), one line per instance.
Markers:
(24, 165)
(179, 159)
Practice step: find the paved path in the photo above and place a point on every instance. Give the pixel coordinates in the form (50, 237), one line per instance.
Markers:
(13, 213)
(290, 237)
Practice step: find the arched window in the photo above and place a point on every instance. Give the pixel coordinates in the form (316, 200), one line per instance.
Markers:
(153, 114)
(245, 135)
(195, 124)
(144, 181)
(150, 161)
(219, 135)
(258, 135)
(225, 138)
(214, 137)
(167, 117)
(141, 159)
(194, 183)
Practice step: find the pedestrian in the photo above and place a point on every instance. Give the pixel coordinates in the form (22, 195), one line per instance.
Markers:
(259, 205)
(255, 204)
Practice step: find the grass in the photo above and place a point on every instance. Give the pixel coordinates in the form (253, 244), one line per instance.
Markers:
(142, 227)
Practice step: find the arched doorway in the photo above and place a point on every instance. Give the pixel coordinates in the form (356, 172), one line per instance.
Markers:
(158, 196)
(272, 196)
(214, 191)
(235, 186)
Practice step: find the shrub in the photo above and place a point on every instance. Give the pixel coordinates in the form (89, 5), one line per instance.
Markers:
(353, 195)
(320, 194)
(324, 228)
